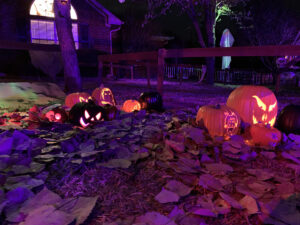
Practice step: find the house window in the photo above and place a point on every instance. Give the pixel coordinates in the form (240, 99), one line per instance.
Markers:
(43, 29)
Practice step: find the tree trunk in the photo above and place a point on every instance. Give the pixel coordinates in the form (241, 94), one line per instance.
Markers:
(210, 23)
(67, 45)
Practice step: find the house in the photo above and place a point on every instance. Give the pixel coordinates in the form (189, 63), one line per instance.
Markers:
(31, 22)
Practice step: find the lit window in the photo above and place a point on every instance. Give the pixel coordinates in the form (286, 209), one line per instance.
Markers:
(44, 31)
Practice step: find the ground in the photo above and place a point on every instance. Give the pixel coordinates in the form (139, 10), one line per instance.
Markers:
(158, 168)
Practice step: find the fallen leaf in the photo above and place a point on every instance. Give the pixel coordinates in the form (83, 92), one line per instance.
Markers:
(154, 218)
(45, 197)
(285, 189)
(80, 207)
(166, 196)
(250, 204)
(178, 188)
(207, 181)
(176, 146)
(116, 163)
(47, 215)
(234, 203)
(218, 168)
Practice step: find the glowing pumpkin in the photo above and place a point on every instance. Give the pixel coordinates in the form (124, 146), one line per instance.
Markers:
(58, 115)
(254, 104)
(131, 106)
(86, 114)
(104, 96)
(264, 135)
(77, 97)
(219, 120)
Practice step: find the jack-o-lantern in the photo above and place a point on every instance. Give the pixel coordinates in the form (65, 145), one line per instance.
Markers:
(86, 114)
(289, 119)
(254, 104)
(151, 101)
(104, 96)
(131, 106)
(58, 115)
(77, 97)
(263, 135)
(219, 120)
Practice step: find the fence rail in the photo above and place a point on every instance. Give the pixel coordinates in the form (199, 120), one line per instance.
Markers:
(159, 57)
(243, 77)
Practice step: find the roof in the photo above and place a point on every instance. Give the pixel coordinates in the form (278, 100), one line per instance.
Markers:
(111, 19)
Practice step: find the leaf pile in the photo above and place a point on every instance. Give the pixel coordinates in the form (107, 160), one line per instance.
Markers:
(146, 169)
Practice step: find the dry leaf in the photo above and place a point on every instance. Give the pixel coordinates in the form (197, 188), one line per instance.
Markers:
(234, 203)
(178, 188)
(250, 204)
(207, 181)
(218, 168)
(166, 196)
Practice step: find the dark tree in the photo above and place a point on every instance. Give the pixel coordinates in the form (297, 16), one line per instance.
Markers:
(272, 22)
(67, 45)
(203, 15)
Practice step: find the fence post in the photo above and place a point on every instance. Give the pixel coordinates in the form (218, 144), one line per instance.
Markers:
(100, 72)
(160, 70)
(148, 68)
(131, 72)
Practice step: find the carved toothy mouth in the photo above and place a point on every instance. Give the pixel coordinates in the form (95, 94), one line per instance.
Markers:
(271, 122)
(82, 123)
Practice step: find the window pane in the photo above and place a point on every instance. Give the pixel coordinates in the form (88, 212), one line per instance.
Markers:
(45, 8)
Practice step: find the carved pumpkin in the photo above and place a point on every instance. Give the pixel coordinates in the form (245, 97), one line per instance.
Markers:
(77, 97)
(254, 104)
(289, 119)
(219, 120)
(104, 96)
(110, 112)
(264, 135)
(151, 101)
(86, 114)
(131, 106)
(58, 115)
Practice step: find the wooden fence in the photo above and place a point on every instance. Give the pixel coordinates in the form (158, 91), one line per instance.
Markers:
(146, 58)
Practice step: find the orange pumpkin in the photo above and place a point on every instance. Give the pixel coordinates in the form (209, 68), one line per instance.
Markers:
(104, 96)
(131, 106)
(254, 104)
(264, 135)
(219, 120)
(77, 97)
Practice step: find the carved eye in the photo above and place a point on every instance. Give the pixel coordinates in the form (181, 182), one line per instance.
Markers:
(260, 103)
(271, 107)
(57, 116)
(86, 114)
(98, 116)
(81, 99)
